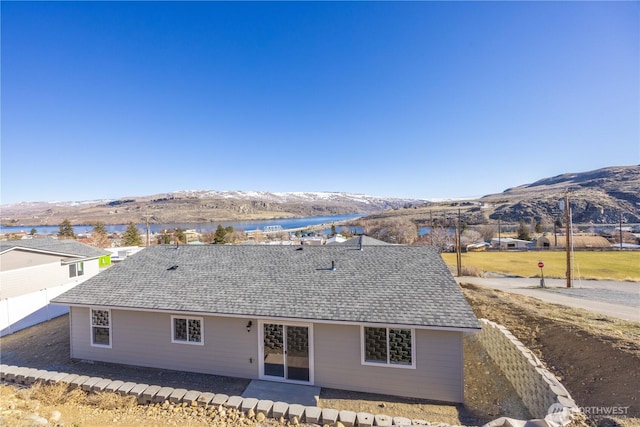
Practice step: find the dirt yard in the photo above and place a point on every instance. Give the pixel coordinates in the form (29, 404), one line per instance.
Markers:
(596, 358)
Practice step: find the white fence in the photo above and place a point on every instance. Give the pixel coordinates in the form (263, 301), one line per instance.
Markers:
(30, 309)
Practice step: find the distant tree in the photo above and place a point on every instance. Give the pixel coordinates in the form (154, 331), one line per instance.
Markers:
(219, 236)
(523, 231)
(539, 227)
(99, 237)
(164, 238)
(235, 235)
(208, 236)
(393, 230)
(99, 228)
(132, 236)
(66, 230)
(440, 237)
(179, 236)
(469, 236)
(487, 231)
(258, 236)
(346, 232)
(33, 232)
(333, 230)
(558, 222)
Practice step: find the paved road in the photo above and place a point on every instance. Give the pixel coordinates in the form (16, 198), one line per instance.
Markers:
(615, 299)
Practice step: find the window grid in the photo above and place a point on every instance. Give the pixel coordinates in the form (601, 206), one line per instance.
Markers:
(388, 346)
(187, 330)
(101, 328)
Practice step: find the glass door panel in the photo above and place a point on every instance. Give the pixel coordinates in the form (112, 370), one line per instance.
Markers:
(273, 350)
(297, 354)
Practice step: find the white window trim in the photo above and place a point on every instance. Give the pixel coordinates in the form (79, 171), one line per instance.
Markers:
(91, 326)
(76, 272)
(387, 364)
(173, 330)
(261, 375)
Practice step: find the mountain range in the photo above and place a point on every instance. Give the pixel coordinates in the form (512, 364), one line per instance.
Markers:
(602, 196)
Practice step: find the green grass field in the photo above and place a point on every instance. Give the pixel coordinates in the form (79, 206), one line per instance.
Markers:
(587, 265)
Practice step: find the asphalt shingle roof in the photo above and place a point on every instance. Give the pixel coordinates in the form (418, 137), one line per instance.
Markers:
(66, 246)
(392, 284)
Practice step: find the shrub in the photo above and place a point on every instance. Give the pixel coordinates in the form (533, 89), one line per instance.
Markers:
(470, 270)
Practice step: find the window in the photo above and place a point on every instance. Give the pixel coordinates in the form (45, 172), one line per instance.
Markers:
(101, 328)
(388, 346)
(76, 269)
(186, 330)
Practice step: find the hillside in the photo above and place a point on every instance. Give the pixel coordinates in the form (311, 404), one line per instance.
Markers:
(192, 206)
(599, 197)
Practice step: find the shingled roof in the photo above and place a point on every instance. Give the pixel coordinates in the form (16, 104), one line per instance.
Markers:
(65, 247)
(381, 284)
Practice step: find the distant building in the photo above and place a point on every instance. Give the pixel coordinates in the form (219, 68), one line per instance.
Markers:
(508, 243)
(578, 242)
(336, 238)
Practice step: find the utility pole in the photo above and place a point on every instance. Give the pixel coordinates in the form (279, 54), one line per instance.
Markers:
(499, 242)
(148, 237)
(567, 220)
(431, 225)
(620, 230)
(458, 249)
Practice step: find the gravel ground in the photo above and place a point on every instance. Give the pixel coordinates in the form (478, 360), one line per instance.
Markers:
(631, 299)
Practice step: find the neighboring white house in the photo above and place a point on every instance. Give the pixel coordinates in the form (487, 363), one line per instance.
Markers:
(387, 319)
(34, 271)
(336, 238)
(508, 243)
(120, 253)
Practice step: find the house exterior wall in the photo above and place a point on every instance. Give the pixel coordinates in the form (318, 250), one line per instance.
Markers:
(438, 373)
(17, 258)
(25, 293)
(22, 281)
(144, 339)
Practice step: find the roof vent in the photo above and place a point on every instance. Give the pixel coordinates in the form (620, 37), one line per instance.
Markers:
(333, 266)
(173, 267)
(300, 248)
(360, 242)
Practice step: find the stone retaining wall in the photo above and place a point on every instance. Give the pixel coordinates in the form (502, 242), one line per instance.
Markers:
(544, 396)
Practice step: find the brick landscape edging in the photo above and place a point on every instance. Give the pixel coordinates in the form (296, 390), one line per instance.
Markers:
(544, 396)
(148, 394)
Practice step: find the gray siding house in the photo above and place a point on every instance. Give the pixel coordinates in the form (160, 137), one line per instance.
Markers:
(33, 271)
(381, 319)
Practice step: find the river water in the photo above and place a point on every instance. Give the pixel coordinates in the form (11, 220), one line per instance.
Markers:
(285, 223)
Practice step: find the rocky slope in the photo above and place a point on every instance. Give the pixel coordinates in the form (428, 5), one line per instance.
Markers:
(602, 196)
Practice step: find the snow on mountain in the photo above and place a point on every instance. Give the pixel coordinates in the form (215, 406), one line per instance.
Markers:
(284, 197)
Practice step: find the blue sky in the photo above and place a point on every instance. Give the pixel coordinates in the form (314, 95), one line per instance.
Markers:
(400, 99)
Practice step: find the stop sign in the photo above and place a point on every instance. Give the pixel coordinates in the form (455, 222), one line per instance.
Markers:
(540, 264)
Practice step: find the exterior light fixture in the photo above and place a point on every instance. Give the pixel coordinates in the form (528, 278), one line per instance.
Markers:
(249, 325)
